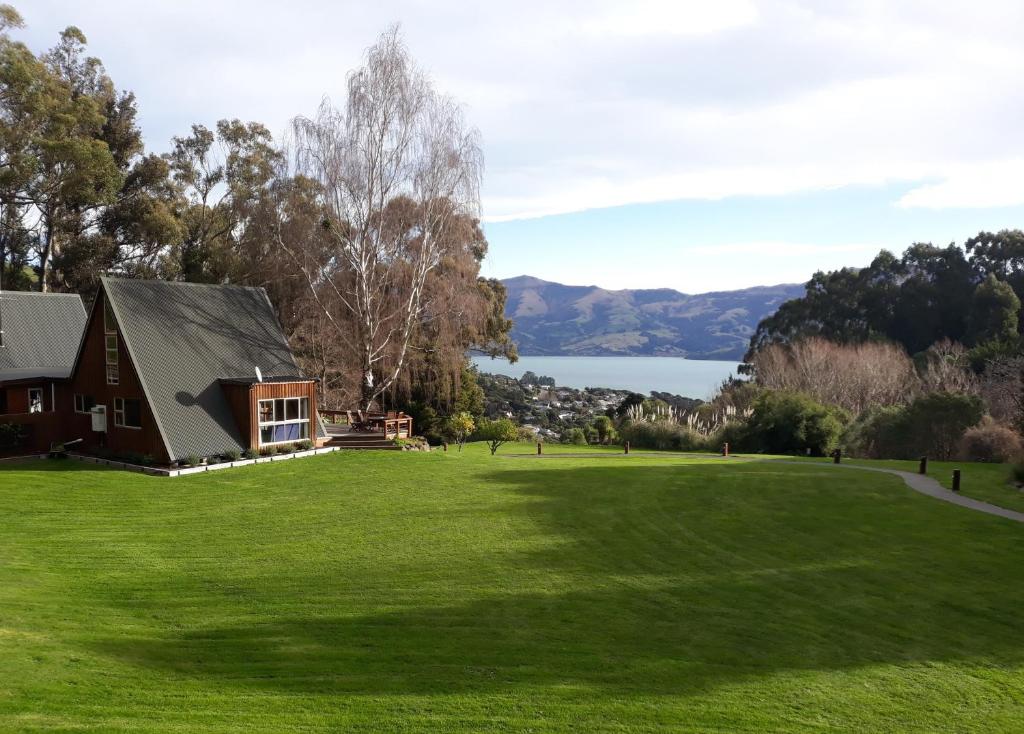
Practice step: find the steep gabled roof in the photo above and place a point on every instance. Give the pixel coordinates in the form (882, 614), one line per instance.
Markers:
(41, 332)
(183, 338)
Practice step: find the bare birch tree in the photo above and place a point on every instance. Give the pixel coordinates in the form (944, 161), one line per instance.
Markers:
(396, 167)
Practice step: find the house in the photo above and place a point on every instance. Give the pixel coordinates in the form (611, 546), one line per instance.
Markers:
(172, 370)
(39, 337)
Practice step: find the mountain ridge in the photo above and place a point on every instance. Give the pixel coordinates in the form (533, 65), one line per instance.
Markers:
(554, 319)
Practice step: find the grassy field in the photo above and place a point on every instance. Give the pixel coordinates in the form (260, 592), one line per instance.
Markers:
(469, 593)
(986, 482)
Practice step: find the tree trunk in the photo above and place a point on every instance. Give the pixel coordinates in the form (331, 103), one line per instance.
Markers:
(46, 258)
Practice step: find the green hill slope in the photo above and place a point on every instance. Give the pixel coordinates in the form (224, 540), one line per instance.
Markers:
(555, 319)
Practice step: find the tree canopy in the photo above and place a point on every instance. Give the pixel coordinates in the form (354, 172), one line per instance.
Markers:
(81, 197)
(969, 295)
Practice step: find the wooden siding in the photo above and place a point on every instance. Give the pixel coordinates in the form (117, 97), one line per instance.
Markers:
(17, 396)
(90, 378)
(43, 429)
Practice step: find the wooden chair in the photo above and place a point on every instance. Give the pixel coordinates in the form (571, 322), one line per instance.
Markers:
(365, 424)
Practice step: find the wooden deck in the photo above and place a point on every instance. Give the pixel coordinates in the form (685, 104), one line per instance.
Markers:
(381, 434)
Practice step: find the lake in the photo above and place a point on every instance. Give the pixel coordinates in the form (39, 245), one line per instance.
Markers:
(692, 378)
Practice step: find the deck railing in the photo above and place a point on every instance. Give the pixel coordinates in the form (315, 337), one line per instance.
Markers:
(392, 425)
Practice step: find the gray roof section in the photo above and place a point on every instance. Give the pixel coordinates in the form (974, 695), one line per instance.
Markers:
(183, 338)
(41, 333)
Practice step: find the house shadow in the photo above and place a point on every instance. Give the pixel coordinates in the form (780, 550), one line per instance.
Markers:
(687, 585)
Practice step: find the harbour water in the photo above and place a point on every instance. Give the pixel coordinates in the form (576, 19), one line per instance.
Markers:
(693, 378)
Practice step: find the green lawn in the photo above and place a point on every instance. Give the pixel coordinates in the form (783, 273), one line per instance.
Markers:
(378, 592)
(986, 482)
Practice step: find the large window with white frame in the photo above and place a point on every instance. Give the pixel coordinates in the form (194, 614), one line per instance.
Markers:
(127, 413)
(35, 400)
(283, 420)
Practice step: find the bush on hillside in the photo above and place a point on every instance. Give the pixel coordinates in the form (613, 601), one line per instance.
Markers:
(878, 433)
(575, 436)
(791, 423)
(735, 433)
(496, 432)
(932, 425)
(935, 423)
(526, 435)
(605, 429)
(662, 436)
(458, 428)
(990, 441)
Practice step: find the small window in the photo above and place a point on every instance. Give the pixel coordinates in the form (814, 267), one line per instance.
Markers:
(35, 400)
(113, 377)
(111, 348)
(109, 322)
(3, 401)
(84, 403)
(127, 413)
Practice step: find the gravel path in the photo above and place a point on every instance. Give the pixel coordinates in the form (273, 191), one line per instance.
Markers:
(927, 485)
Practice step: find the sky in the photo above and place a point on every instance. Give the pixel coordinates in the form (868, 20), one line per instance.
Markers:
(697, 145)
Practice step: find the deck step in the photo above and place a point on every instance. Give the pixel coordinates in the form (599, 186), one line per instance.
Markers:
(364, 444)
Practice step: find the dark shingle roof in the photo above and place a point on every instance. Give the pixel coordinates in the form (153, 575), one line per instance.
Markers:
(41, 333)
(184, 338)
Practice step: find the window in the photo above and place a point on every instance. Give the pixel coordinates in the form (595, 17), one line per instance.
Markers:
(127, 413)
(3, 401)
(283, 420)
(84, 403)
(110, 351)
(35, 400)
(111, 348)
(109, 322)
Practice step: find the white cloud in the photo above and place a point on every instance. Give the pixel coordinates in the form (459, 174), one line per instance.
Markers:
(991, 184)
(586, 104)
(641, 18)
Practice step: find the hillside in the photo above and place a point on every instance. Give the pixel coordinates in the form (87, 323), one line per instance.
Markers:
(555, 319)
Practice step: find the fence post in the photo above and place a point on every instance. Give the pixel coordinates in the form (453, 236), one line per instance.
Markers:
(725, 449)
(539, 450)
(445, 445)
(923, 469)
(626, 446)
(837, 456)
(956, 480)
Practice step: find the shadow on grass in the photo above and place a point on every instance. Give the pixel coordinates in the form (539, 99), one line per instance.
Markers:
(664, 581)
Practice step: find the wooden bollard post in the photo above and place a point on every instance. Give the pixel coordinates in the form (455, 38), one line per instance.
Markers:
(539, 450)
(725, 449)
(956, 480)
(445, 445)
(837, 456)
(626, 446)
(923, 468)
